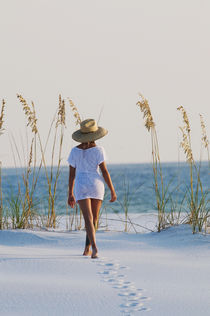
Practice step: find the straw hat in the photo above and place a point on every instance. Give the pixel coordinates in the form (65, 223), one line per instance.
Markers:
(89, 131)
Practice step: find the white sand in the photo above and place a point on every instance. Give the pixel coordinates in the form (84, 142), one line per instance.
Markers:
(44, 273)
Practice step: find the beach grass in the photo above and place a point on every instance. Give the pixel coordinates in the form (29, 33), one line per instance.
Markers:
(161, 190)
(22, 210)
(197, 199)
(1, 132)
(52, 177)
(60, 122)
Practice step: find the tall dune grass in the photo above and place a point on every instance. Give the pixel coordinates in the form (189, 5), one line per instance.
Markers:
(2, 116)
(161, 190)
(197, 199)
(53, 175)
(77, 122)
(1, 132)
(59, 127)
(30, 114)
(22, 210)
(75, 112)
(26, 196)
(204, 137)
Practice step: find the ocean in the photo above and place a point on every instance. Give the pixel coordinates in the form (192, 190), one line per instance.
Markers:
(134, 184)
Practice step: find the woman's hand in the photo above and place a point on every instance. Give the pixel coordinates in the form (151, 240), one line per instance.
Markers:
(113, 196)
(71, 200)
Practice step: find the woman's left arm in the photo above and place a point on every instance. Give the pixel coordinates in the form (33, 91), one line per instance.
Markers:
(71, 198)
(108, 180)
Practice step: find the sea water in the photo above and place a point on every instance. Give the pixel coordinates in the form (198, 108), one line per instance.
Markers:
(134, 185)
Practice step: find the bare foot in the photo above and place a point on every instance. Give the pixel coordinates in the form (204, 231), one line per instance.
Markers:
(87, 251)
(94, 253)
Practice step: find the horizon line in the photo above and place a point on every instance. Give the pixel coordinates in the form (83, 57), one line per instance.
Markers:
(111, 163)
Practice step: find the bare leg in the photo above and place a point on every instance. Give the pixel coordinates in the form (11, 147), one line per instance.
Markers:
(85, 206)
(95, 206)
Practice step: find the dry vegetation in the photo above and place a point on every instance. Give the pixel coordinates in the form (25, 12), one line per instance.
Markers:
(24, 209)
(160, 189)
(1, 132)
(198, 202)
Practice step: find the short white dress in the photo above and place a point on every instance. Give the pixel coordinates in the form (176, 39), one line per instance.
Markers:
(88, 181)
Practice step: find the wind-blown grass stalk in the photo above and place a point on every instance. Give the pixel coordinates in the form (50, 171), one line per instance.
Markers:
(2, 117)
(129, 222)
(15, 211)
(186, 146)
(77, 122)
(199, 211)
(124, 203)
(60, 122)
(22, 204)
(176, 214)
(1, 201)
(1, 132)
(204, 138)
(160, 190)
(27, 204)
(28, 200)
(205, 143)
(75, 112)
(32, 122)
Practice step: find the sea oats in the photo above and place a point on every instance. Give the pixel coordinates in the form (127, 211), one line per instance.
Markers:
(185, 118)
(186, 142)
(75, 111)
(160, 189)
(186, 146)
(30, 113)
(204, 138)
(145, 109)
(2, 116)
(61, 119)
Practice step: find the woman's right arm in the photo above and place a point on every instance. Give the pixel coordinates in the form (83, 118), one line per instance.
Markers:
(108, 180)
(71, 198)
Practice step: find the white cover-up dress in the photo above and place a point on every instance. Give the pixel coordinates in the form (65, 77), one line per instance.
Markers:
(88, 181)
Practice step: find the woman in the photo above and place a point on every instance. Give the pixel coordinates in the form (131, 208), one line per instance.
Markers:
(84, 163)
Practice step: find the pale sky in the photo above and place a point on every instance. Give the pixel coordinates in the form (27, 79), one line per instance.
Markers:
(101, 54)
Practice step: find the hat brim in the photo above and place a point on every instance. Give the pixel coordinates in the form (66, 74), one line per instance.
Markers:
(80, 137)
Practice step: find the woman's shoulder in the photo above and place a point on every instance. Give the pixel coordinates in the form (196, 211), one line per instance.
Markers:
(100, 148)
(101, 152)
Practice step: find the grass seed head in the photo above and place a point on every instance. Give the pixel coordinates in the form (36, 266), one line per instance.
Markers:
(30, 113)
(185, 145)
(61, 119)
(204, 138)
(75, 111)
(145, 109)
(2, 116)
(185, 118)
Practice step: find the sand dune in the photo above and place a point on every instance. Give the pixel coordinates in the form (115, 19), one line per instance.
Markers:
(44, 273)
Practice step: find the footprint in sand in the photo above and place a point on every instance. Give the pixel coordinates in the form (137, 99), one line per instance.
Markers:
(133, 304)
(133, 298)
